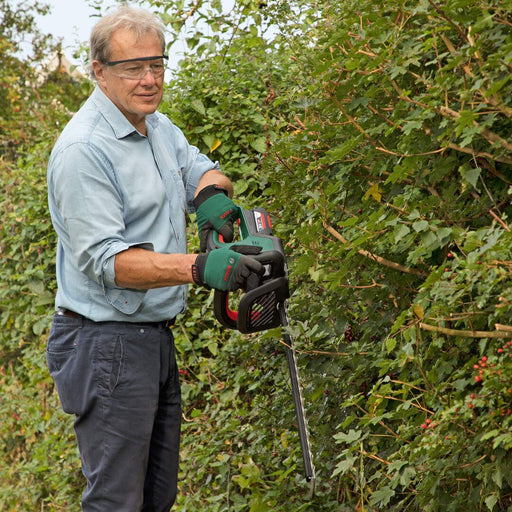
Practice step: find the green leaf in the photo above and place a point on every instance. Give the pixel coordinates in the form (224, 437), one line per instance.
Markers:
(198, 106)
(382, 497)
(344, 466)
(420, 225)
(402, 231)
(407, 476)
(390, 344)
(471, 175)
(259, 144)
(350, 437)
(491, 501)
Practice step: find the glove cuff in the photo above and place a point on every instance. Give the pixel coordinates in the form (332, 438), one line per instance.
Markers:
(198, 269)
(206, 193)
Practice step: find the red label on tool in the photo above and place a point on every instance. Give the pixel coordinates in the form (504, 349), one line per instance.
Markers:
(260, 221)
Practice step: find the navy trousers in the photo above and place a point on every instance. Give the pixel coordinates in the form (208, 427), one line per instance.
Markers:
(120, 380)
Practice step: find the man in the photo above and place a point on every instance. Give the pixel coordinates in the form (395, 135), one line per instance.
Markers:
(120, 180)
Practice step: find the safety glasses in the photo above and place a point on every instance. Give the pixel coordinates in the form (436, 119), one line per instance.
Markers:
(136, 69)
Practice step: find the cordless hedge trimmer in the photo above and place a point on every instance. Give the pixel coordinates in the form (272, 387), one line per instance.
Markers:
(264, 304)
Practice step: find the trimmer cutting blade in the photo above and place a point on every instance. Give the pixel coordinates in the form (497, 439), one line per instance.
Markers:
(264, 306)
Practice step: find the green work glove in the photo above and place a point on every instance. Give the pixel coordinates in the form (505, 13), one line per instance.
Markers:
(215, 212)
(225, 270)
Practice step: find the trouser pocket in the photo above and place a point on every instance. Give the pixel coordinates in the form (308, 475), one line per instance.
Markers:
(63, 361)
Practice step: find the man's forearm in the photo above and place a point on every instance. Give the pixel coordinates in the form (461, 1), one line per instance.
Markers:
(142, 269)
(215, 177)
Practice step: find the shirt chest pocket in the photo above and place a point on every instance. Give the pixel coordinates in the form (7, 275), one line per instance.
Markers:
(174, 174)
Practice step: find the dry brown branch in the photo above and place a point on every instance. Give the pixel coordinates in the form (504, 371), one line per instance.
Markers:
(469, 151)
(501, 327)
(500, 221)
(373, 456)
(498, 333)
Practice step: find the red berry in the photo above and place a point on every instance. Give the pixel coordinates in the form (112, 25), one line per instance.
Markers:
(478, 378)
(423, 425)
(484, 359)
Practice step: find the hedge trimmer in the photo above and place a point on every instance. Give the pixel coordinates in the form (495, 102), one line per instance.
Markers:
(264, 304)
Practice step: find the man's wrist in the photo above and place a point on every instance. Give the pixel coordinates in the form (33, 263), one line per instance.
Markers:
(208, 192)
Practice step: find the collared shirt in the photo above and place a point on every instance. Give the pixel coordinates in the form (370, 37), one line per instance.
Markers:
(111, 188)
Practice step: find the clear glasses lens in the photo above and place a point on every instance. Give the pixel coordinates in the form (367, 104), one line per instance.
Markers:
(136, 70)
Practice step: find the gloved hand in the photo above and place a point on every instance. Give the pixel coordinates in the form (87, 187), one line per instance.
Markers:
(215, 211)
(225, 270)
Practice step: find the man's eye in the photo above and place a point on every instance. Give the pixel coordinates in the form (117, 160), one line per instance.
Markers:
(131, 68)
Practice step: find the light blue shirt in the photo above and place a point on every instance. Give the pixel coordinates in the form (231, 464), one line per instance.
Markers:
(111, 188)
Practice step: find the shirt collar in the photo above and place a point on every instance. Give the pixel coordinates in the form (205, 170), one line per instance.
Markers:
(117, 120)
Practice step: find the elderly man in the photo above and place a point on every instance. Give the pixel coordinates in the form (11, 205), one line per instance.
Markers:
(120, 180)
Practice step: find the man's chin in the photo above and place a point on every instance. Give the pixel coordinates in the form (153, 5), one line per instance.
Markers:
(149, 107)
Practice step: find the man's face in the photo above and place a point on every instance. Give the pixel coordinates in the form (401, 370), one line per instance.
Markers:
(135, 98)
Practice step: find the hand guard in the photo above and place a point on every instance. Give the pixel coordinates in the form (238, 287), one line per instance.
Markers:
(225, 270)
(215, 211)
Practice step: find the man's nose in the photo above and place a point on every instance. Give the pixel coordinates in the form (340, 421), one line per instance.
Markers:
(151, 75)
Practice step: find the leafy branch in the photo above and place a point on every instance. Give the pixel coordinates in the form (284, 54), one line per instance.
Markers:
(374, 257)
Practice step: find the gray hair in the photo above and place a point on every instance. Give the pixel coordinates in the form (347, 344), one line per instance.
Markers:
(139, 21)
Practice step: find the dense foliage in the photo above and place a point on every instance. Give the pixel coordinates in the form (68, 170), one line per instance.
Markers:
(378, 137)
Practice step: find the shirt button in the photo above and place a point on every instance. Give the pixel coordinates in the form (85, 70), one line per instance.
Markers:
(142, 330)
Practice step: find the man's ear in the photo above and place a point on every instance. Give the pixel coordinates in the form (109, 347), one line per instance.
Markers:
(99, 71)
